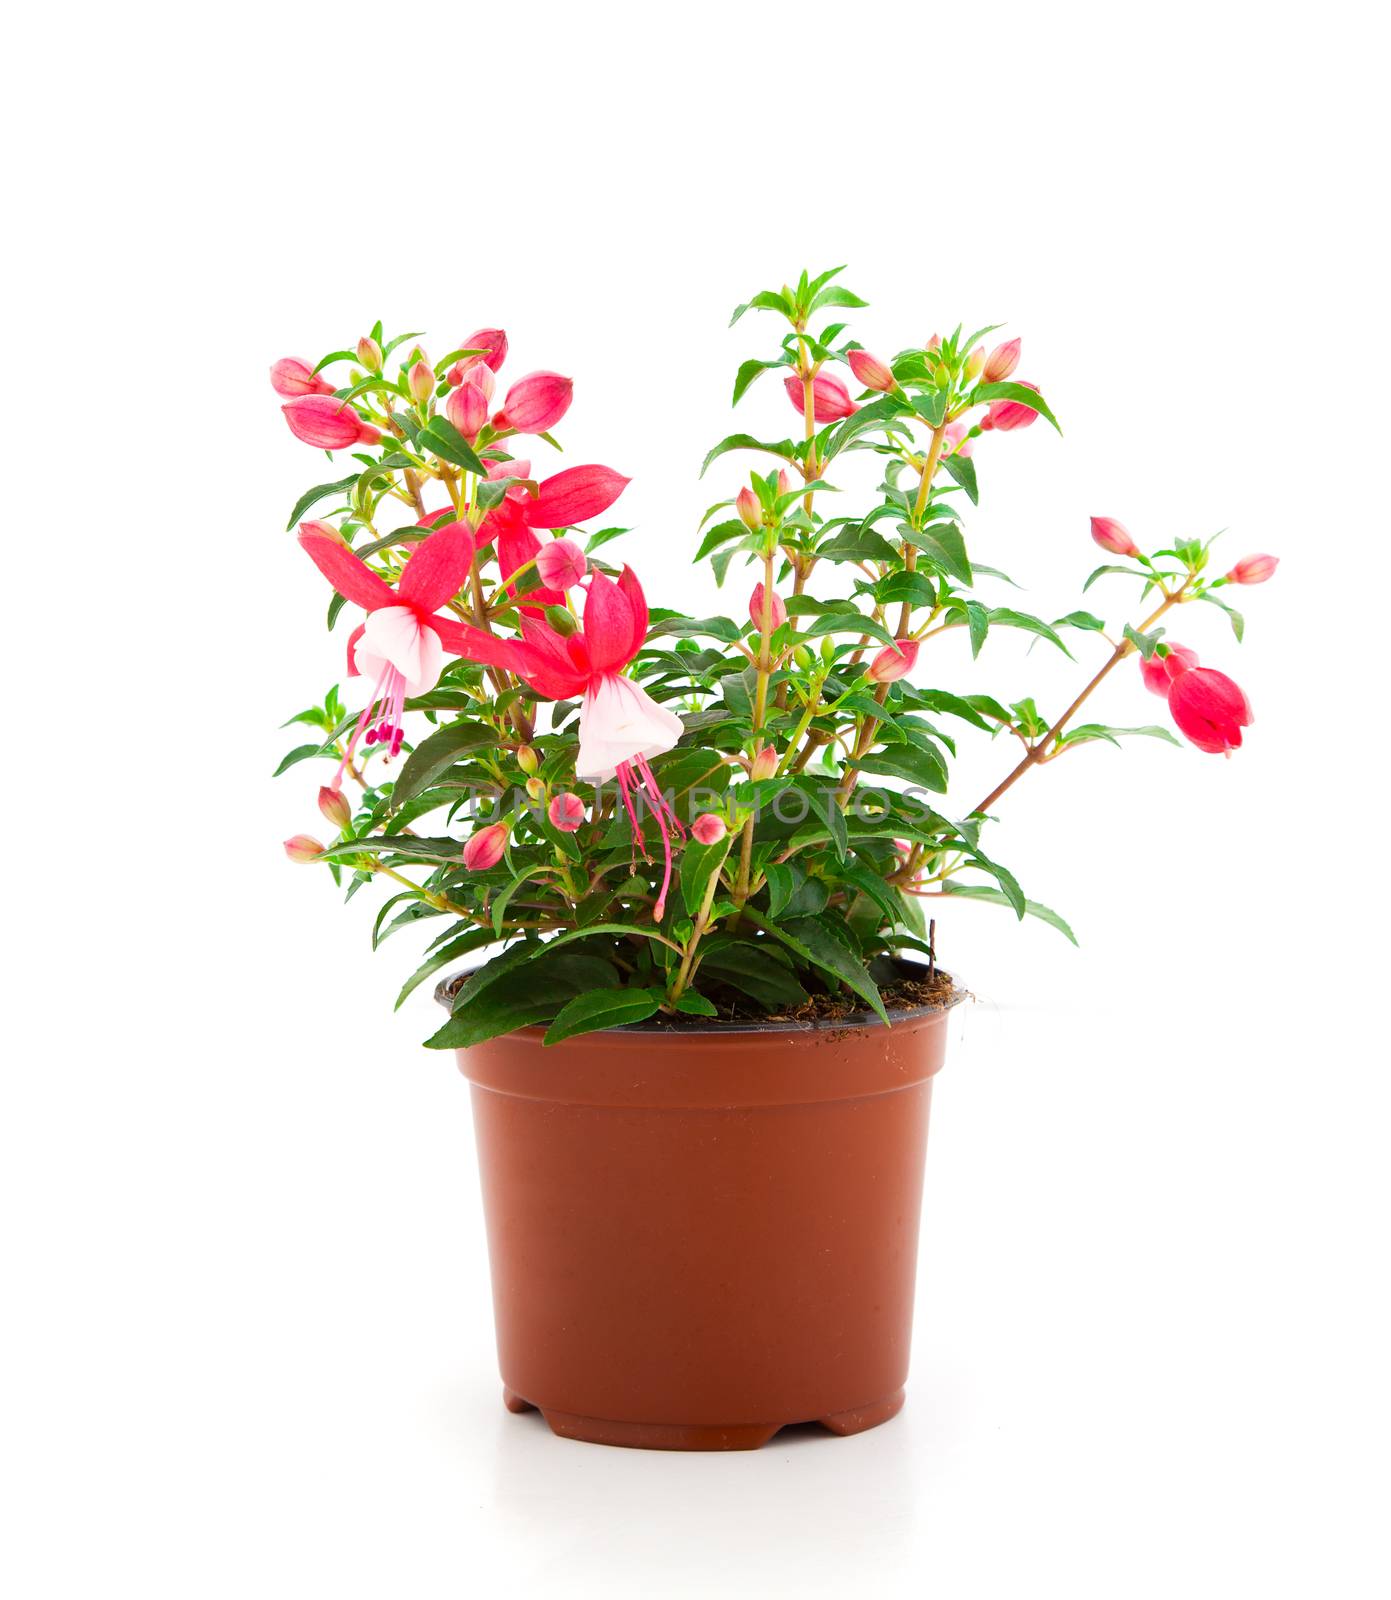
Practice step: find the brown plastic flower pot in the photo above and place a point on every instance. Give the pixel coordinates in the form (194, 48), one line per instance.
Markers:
(699, 1236)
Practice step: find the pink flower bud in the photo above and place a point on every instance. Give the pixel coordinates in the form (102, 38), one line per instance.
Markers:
(492, 341)
(934, 343)
(956, 441)
(482, 379)
(1253, 569)
(750, 509)
(764, 764)
(535, 403)
(527, 759)
(784, 481)
(871, 371)
(334, 805)
(485, 846)
(421, 381)
(467, 408)
(1006, 415)
(708, 828)
(320, 419)
(369, 353)
(561, 564)
(1113, 536)
(1161, 670)
(303, 848)
(1209, 710)
(291, 377)
(566, 812)
(1002, 360)
(893, 661)
(830, 399)
(508, 469)
(778, 611)
(975, 364)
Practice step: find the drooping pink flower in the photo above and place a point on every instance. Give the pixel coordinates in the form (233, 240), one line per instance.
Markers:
(566, 812)
(1209, 709)
(535, 403)
(467, 408)
(561, 564)
(778, 610)
(871, 371)
(1006, 415)
(485, 847)
(708, 828)
(893, 661)
(621, 726)
(561, 501)
(290, 377)
(1001, 361)
(1253, 569)
(508, 469)
(1113, 536)
(303, 847)
(402, 644)
(830, 399)
(331, 424)
(1161, 670)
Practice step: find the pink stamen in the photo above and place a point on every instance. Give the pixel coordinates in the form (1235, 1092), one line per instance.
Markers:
(624, 774)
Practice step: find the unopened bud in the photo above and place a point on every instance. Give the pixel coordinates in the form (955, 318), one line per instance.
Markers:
(369, 353)
(828, 649)
(1253, 569)
(535, 788)
(764, 764)
(1113, 536)
(934, 343)
(562, 621)
(871, 371)
(1002, 360)
(527, 759)
(777, 610)
(708, 828)
(334, 805)
(421, 381)
(893, 661)
(803, 657)
(566, 812)
(303, 848)
(747, 504)
(975, 364)
(485, 847)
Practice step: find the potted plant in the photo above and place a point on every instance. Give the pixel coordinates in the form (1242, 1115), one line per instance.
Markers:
(701, 850)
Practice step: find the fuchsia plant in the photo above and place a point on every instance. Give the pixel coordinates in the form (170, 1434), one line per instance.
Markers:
(654, 813)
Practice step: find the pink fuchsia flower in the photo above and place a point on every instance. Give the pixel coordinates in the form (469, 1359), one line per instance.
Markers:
(1253, 569)
(830, 399)
(302, 847)
(871, 371)
(1001, 361)
(561, 501)
(777, 609)
(750, 509)
(1161, 670)
(561, 564)
(956, 440)
(1209, 709)
(467, 408)
(492, 342)
(1006, 415)
(291, 377)
(708, 828)
(402, 644)
(566, 812)
(331, 424)
(893, 661)
(1113, 536)
(535, 403)
(621, 726)
(485, 847)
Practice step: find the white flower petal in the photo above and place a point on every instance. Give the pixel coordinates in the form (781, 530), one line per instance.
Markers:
(620, 721)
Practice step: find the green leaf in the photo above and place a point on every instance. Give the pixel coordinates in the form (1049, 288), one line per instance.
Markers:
(834, 296)
(746, 441)
(610, 1008)
(942, 543)
(748, 372)
(754, 972)
(811, 939)
(720, 534)
(471, 939)
(963, 469)
(695, 1005)
(920, 764)
(1005, 617)
(981, 891)
(301, 752)
(699, 862)
(1081, 619)
(1237, 620)
(1125, 572)
(319, 492)
(1014, 391)
(978, 622)
(435, 755)
(440, 435)
(764, 300)
(1096, 730)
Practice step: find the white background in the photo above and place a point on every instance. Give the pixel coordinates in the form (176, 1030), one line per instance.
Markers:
(245, 1311)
